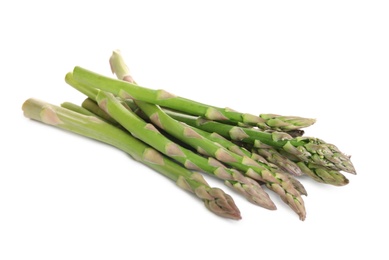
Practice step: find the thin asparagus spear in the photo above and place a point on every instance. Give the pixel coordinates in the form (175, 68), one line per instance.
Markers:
(166, 99)
(150, 135)
(273, 180)
(214, 198)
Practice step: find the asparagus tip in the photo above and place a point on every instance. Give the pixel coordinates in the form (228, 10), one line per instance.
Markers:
(220, 203)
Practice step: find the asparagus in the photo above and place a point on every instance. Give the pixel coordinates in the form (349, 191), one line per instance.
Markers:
(150, 135)
(273, 180)
(166, 99)
(214, 199)
(306, 149)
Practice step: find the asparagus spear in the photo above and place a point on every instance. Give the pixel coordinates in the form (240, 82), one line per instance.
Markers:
(306, 149)
(214, 198)
(150, 135)
(273, 180)
(166, 99)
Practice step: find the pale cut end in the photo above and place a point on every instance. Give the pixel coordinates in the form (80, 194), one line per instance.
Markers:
(41, 111)
(118, 66)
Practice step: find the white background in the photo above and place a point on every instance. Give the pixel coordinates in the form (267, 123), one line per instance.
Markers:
(63, 196)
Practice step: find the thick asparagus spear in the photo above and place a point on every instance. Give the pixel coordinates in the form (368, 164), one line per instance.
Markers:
(166, 99)
(273, 180)
(214, 198)
(150, 135)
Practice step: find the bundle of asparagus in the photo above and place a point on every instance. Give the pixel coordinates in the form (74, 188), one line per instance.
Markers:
(181, 138)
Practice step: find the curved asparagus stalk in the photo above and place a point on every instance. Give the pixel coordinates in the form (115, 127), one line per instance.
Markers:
(164, 98)
(307, 149)
(150, 135)
(273, 180)
(214, 198)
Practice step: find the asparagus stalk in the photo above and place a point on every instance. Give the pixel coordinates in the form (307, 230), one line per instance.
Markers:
(150, 135)
(166, 99)
(273, 180)
(214, 199)
(306, 149)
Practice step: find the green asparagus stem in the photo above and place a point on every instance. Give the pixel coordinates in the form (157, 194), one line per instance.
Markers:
(214, 198)
(306, 149)
(166, 99)
(273, 180)
(150, 135)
